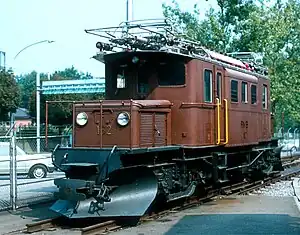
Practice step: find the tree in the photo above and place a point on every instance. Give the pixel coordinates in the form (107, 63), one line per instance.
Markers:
(71, 74)
(9, 94)
(251, 26)
(281, 47)
(218, 29)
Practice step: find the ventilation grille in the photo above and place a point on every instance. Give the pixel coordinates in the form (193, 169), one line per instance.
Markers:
(146, 132)
(153, 129)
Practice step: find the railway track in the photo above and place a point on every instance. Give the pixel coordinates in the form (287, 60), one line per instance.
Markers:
(104, 227)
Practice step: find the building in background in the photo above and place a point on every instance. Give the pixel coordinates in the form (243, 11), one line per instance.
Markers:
(22, 117)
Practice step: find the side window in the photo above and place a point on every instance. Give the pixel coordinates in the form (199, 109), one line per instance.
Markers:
(234, 91)
(207, 88)
(244, 92)
(253, 94)
(219, 85)
(265, 97)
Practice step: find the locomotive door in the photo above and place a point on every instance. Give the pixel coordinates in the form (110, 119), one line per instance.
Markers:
(214, 110)
(221, 104)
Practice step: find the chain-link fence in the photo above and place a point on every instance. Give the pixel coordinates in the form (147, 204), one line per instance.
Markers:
(5, 190)
(26, 177)
(29, 144)
(289, 139)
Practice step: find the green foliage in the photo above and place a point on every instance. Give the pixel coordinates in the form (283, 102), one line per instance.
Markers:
(251, 26)
(219, 29)
(27, 87)
(9, 94)
(71, 74)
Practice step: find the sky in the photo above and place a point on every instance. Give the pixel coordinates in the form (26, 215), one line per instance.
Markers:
(24, 22)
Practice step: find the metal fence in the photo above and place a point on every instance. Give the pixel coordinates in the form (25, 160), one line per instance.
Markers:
(26, 177)
(290, 137)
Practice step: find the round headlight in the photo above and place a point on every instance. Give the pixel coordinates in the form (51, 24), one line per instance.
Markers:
(123, 119)
(81, 119)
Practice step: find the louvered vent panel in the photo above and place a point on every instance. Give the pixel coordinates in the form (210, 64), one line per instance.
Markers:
(146, 131)
(160, 134)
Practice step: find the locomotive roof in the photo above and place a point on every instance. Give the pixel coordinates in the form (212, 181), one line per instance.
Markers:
(231, 70)
(124, 54)
(157, 36)
(236, 74)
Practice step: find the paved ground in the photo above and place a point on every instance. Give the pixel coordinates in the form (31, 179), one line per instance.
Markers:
(28, 190)
(14, 221)
(240, 215)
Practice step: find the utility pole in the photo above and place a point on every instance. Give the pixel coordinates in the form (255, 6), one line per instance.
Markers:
(129, 10)
(38, 112)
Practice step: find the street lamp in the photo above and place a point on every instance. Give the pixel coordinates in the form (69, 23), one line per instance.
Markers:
(38, 100)
(33, 44)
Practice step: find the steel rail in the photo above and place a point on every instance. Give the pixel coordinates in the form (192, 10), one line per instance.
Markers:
(103, 227)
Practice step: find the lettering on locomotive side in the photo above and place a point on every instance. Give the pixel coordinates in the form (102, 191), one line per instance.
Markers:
(244, 126)
(107, 126)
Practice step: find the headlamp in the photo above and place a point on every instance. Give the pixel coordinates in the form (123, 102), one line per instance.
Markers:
(123, 118)
(81, 118)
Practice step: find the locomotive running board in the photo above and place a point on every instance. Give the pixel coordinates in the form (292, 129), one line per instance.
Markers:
(128, 200)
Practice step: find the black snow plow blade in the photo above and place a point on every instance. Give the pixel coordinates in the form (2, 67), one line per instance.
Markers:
(136, 191)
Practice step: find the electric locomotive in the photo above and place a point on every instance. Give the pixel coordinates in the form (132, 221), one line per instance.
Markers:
(176, 118)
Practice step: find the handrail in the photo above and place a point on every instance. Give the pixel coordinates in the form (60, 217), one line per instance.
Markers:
(226, 122)
(218, 122)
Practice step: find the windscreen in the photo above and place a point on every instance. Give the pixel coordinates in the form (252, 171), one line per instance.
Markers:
(146, 71)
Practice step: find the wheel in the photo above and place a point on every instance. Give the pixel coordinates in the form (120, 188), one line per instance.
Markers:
(38, 172)
(293, 149)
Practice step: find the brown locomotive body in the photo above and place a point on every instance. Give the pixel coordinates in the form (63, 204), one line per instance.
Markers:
(176, 119)
(203, 104)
